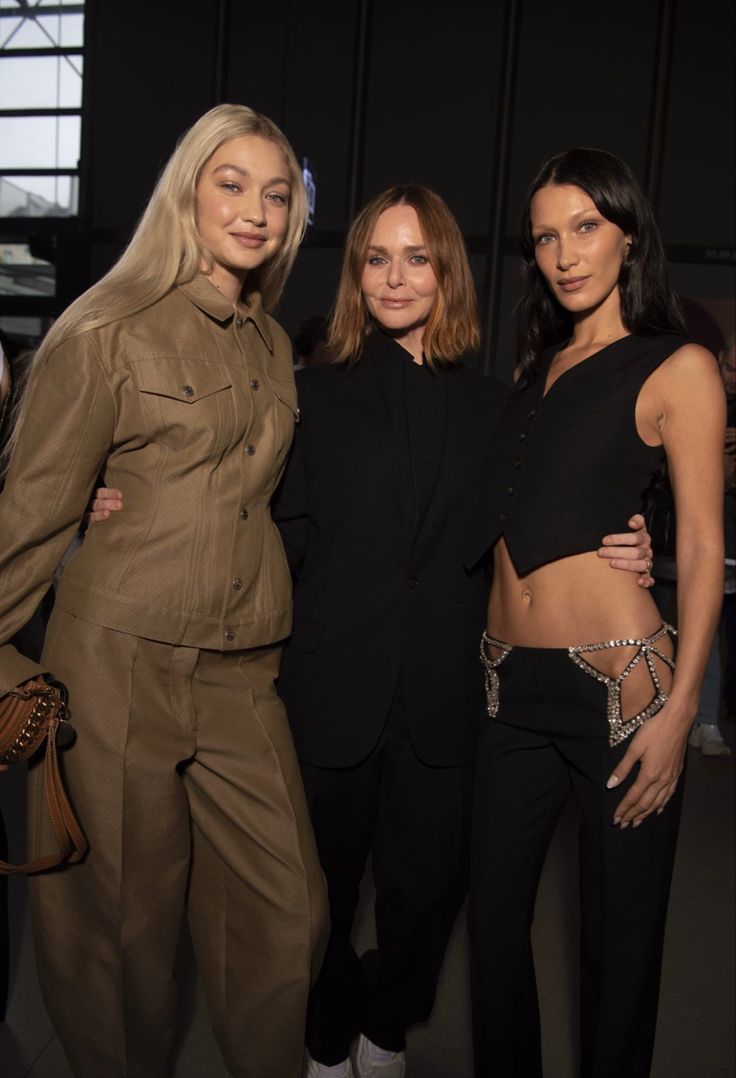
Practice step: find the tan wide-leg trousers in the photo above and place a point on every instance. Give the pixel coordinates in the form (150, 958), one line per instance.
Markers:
(186, 783)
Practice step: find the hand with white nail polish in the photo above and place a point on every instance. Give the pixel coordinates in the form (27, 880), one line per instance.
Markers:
(658, 747)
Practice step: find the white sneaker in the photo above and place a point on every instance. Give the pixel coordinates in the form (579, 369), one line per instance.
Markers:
(313, 1069)
(375, 1062)
(707, 737)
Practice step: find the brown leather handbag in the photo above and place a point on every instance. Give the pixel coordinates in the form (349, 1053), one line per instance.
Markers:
(31, 715)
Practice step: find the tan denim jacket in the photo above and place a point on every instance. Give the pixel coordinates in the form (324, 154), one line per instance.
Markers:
(190, 412)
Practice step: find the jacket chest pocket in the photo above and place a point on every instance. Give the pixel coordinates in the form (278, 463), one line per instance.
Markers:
(285, 412)
(187, 403)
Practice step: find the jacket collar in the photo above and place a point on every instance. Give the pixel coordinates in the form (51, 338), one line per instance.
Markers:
(203, 294)
(385, 356)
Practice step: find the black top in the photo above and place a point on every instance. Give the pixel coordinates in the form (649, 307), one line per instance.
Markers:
(425, 393)
(570, 467)
(374, 510)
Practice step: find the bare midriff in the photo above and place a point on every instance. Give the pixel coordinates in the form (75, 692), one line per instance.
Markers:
(575, 600)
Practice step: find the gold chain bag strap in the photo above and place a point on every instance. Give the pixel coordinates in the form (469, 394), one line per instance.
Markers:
(34, 713)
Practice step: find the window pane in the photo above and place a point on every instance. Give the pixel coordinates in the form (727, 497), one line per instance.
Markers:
(41, 32)
(39, 141)
(8, 30)
(65, 29)
(23, 275)
(40, 82)
(27, 35)
(38, 196)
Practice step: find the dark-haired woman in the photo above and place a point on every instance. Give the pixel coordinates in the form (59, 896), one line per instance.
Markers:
(581, 684)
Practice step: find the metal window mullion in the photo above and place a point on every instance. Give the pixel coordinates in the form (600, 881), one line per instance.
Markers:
(57, 9)
(39, 171)
(60, 50)
(30, 113)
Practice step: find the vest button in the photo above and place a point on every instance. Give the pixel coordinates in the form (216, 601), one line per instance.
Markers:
(517, 463)
(503, 516)
(187, 391)
(240, 323)
(243, 513)
(254, 383)
(237, 583)
(531, 414)
(229, 634)
(250, 450)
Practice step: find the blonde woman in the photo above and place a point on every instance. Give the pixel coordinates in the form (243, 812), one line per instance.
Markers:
(170, 378)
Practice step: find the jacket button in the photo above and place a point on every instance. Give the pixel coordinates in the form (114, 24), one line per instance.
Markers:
(503, 516)
(254, 383)
(522, 436)
(187, 391)
(250, 450)
(509, 490)
(412, 583)
(517, 463)
(243, 514)
(237, 583)
(530, 415)
(229, 634)
(240, 323)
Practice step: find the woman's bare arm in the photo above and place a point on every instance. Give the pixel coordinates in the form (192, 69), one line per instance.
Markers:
(686, 405)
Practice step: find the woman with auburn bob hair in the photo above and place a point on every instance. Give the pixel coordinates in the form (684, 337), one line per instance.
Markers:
(380, 674)
(170, 379)
(581, 681)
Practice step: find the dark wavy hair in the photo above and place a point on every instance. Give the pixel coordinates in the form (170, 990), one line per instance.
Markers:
(648, 305)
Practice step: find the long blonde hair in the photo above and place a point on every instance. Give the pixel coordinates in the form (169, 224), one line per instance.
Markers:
(453, 328)
(166, 250)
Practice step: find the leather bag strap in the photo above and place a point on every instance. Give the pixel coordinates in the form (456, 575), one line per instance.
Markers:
(71, 843)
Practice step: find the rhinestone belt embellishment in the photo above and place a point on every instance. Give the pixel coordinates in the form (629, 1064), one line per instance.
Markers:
(489, 669)
(618, 727)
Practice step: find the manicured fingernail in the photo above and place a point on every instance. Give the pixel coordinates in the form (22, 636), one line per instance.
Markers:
(616, 821)
(660, 811)
(637, 823)
(612, 782)
(625, 824)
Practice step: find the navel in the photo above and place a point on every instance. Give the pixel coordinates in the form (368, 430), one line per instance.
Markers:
(526, 596)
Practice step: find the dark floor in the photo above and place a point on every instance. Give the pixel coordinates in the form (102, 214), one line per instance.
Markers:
(696, 1026)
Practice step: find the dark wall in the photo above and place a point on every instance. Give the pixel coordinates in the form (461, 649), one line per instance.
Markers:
(468, 98)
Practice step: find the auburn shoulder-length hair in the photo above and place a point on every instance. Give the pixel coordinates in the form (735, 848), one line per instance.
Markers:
(453, 328)
(648, 304)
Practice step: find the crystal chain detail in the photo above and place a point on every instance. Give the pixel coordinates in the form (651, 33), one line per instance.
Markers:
(489, 669)
(618, 727)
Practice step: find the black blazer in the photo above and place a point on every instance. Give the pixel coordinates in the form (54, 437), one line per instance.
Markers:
(378, 594)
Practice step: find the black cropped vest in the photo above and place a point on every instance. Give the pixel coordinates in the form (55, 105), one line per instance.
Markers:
(570, 467)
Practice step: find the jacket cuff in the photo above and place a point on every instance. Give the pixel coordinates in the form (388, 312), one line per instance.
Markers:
(15, 669)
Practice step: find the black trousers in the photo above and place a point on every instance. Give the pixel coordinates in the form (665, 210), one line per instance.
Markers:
(415, 821)
(551, 733)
